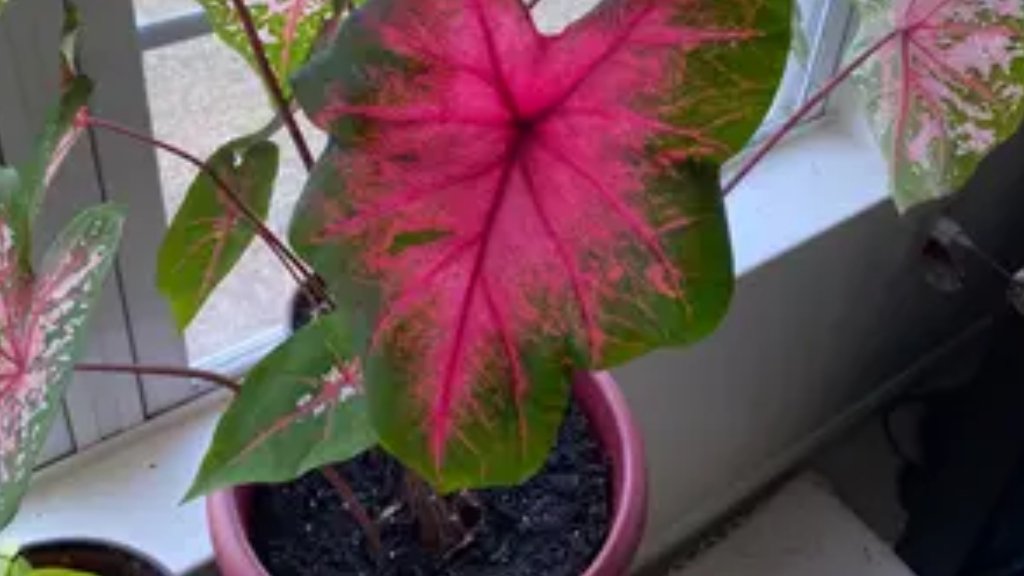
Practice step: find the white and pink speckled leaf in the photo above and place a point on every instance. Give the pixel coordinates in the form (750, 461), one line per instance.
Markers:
(42, 323)
(944, 91)
(513, 206)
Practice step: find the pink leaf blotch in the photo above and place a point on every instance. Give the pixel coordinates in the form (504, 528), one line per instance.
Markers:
(529, 160)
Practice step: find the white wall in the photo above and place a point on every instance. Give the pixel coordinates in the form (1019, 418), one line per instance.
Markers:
(809, 334)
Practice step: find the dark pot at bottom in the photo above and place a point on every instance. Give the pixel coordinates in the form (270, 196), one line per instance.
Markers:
(101, 558)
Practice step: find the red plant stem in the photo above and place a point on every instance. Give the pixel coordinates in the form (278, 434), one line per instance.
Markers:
(172, 371)
(272, 82)
(355, 507)
(806, 109)
(301, 273)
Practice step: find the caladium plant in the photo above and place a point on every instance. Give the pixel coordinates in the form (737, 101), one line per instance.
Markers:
(499, 207)
(503, 248)
(945, 86)
(44, 312)
(304, 407)
(42, 324)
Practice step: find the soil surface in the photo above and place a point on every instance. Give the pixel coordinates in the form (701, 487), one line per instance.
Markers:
(553, 525)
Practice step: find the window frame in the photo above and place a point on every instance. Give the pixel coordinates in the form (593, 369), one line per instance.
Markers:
(828, 36)
(130, 175)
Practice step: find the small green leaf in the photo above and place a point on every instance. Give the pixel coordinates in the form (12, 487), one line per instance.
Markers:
(42, 326)
(59, 572)
(299, 409)
(208, 235)
(289, 29)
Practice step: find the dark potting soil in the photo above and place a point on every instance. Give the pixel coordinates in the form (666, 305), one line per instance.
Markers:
(553, 525)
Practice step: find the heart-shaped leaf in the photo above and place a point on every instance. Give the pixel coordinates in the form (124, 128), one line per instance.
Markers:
(562, 193)
(302, 407)
(209, 235)
(289, 30)
(42, 324)
(945, 90)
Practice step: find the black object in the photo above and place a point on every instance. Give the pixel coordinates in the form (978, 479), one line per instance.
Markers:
(96, 557)
(965, 500)
(304, 309)
(552, 525)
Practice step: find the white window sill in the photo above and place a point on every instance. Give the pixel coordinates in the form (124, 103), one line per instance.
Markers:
(128, 490)
(811, 183)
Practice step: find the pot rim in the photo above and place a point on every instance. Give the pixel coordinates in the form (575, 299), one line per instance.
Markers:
(623, 443)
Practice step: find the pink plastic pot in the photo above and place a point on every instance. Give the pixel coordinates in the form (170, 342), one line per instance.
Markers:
(229, 511)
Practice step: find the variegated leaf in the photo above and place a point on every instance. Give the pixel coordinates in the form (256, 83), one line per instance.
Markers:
(289, 29)
(944, 90)
(516, 206)
(209, 235)
(302, 407)
(42, 324)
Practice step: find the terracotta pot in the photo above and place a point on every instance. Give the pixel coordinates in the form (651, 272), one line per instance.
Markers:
(229, 511)
(97, 557)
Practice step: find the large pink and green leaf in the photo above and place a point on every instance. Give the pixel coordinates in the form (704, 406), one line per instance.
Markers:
(42, 323)
(209, 235)
(289, 29)
(513, 206)
(944, 91)
(301, 408)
